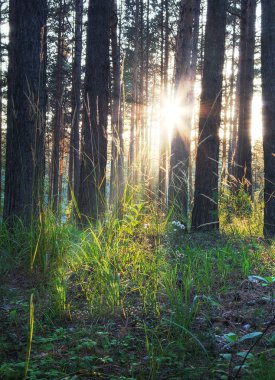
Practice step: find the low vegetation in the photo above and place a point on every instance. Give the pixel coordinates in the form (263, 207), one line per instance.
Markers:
(137, 297)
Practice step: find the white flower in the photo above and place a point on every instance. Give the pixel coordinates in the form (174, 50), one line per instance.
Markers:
(178, 224)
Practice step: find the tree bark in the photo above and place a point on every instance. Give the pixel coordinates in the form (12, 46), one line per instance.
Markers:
(164, 93)
(26, 110)
(268, 87)
(1, 106)
(205, 211)
(59, 92)
(117, 163)
(94, 154)
(246, 67)
(74, 164)
(180, 146)
(232, 103)
(191, 96)
(133, 149)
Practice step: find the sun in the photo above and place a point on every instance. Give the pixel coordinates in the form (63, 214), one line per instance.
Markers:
(174, 116)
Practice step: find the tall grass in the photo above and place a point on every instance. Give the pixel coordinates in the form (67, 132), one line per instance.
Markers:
(129, 261)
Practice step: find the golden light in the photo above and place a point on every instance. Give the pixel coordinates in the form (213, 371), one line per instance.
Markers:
(256, 133)
(173, 115)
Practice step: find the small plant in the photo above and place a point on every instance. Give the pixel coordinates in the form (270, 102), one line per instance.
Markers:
(31, 326)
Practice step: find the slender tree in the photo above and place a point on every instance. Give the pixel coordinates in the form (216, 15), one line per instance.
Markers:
(190, 117)
(180, 147)
(232, 102)
(117, 163)
(1, 103)
(59, 111)
(268, 87)
(246, 74)
(94, 151)
(205, 211)
(26, 109)
(133, 151)
(164, 92)
(74, 160)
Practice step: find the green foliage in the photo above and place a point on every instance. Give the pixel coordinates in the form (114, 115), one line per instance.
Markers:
(239, 214)
(132, 292)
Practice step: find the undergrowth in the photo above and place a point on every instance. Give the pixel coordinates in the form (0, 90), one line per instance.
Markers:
(134, 297)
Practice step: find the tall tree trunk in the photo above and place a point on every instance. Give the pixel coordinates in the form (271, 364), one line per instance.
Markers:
(1, 105)
(94, 154)
(232, 103)
(164, 94)
(74, 164)
(134, 106)
(141, 132)
(59, 92)
(268, 86)
(26, 109)
(193, 72)
(226, 120)
(205, 211)
(246, 67)
(117, 163)
(180, 147)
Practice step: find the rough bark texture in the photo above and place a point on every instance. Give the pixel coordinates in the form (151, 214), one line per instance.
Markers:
(74, 164)
(180, 146)
(246, 72)
(117, 164)
(94, 152)
(232, 103)
(205, 211)
(191, 95)
(58, 117)
(164, 138)
(133, 149)
(1, 105)
(268, 83)
(26, 109)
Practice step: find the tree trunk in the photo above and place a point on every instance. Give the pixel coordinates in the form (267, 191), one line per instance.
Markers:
(117, 163)
(57, 133)
(74, 164)
(1, 106)
(268, 86)
(134, 106)
(246, 67)
(94, 154)
(26, 110)
(180, 146)
(191, 96)
(232, 103)
(205, 211)
(164, 93)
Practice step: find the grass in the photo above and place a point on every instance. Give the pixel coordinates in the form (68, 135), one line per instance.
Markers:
(134, 297)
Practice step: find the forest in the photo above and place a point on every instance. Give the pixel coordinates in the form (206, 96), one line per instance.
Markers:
(137, 189)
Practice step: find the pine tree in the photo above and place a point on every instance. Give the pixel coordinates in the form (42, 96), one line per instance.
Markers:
(268, 87)
(74, 159)
(246, 74)
(117, 154)
(180, 146)
(205, 211)
(26, 109)
(94, 150)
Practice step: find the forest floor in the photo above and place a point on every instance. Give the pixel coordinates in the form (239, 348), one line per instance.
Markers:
(163, 304)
